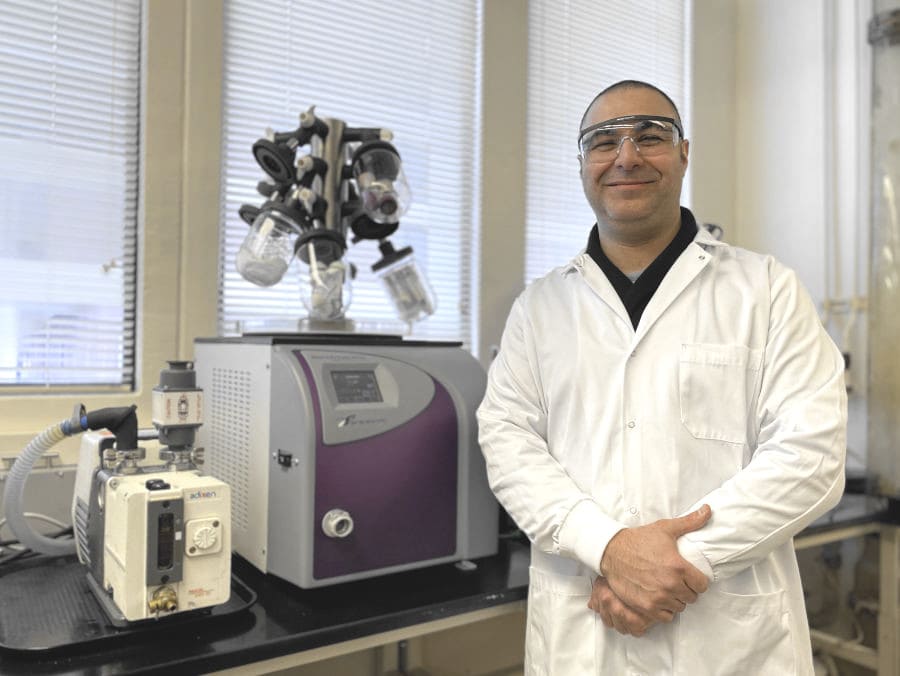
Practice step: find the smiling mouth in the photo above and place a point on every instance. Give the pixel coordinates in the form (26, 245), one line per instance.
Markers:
(627, 184)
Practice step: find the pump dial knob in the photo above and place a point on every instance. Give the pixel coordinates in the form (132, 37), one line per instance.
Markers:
(205, 537)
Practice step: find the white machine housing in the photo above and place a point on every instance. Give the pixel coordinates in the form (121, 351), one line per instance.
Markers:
(156, 542)
(349, 456)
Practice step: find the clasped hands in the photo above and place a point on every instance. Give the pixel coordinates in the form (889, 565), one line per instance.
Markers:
(644, 579)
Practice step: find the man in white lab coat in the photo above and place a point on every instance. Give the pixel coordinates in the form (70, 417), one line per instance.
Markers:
(665, 413)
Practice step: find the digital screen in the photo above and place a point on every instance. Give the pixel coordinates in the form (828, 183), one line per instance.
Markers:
(356, 387)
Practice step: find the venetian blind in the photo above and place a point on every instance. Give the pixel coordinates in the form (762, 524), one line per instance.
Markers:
(69, 112)
(576, 49)
(413, 69)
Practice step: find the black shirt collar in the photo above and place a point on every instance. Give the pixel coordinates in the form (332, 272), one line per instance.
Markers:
(635, 295)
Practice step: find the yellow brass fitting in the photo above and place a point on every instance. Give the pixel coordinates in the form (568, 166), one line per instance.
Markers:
(164, 599)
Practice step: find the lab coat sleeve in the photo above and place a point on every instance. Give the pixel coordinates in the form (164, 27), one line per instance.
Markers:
(796, 472)
(532, 486)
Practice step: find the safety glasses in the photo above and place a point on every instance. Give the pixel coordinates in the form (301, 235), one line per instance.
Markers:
(650, 134)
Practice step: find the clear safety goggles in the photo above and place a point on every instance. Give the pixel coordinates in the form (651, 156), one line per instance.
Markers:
(650, 134)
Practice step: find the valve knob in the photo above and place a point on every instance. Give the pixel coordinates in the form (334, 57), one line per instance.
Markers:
(337, 523)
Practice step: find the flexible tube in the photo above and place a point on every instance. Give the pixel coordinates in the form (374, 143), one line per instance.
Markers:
(13, 495)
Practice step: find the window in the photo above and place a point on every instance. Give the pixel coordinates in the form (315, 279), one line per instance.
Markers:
(415, 72)
(69, 86)
(576, 49)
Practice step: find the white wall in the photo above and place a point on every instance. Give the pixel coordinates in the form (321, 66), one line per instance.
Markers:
(503, 162)
(711, 121)
(779, 147)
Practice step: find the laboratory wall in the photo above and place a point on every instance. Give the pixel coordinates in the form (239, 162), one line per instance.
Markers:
(780, 153)
(803, 131)
(778, 160)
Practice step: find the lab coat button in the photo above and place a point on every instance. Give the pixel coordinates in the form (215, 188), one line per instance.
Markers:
(633, 510)
(631, 423)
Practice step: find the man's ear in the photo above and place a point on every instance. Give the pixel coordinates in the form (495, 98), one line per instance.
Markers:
(685, 149)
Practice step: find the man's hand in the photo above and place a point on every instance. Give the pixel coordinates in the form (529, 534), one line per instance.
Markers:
(645, 571)
(615, 614)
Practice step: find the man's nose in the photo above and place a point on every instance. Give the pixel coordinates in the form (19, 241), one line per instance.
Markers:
(628, 155)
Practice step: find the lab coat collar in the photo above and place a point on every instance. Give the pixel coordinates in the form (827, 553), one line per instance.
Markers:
(705, 239)
(684, 270)
(686, 267)
(599, 283)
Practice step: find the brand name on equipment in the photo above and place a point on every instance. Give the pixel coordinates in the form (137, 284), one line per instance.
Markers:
(197, 495)
(353, 420)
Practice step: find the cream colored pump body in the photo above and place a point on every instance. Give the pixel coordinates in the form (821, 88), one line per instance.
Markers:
(166, 550)
(156, 541)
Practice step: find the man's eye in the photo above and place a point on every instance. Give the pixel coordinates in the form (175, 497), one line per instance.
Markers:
(603, 144)
(650, 139)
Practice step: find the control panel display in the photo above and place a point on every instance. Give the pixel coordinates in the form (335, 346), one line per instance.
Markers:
(356, 387)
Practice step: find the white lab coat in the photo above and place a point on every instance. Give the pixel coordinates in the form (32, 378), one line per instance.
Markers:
(729, 393)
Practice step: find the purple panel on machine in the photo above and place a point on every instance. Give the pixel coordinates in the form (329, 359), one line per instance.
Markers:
(399, 486)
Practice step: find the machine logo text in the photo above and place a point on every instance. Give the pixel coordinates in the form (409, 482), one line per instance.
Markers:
(198, 495)
(353, 419)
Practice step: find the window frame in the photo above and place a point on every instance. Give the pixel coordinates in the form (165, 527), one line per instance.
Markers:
(67, 71)
(178, 174)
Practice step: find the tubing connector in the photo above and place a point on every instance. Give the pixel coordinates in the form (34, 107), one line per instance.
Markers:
(120, 420)
(73, 425)
(164, 599)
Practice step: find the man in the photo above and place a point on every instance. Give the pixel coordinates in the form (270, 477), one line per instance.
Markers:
(665, 413)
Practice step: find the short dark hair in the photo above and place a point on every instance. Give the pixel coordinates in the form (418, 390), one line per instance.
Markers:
(630, 84)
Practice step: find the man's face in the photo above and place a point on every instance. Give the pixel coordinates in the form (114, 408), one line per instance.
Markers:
(634, 195)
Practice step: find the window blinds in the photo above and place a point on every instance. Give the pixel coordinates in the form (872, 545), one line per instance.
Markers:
(412, 68)
(576, 49)
(69, 111)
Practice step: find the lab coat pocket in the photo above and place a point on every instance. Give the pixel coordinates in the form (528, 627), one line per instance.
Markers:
(726, 634)
(560, 633)
(716, 386)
